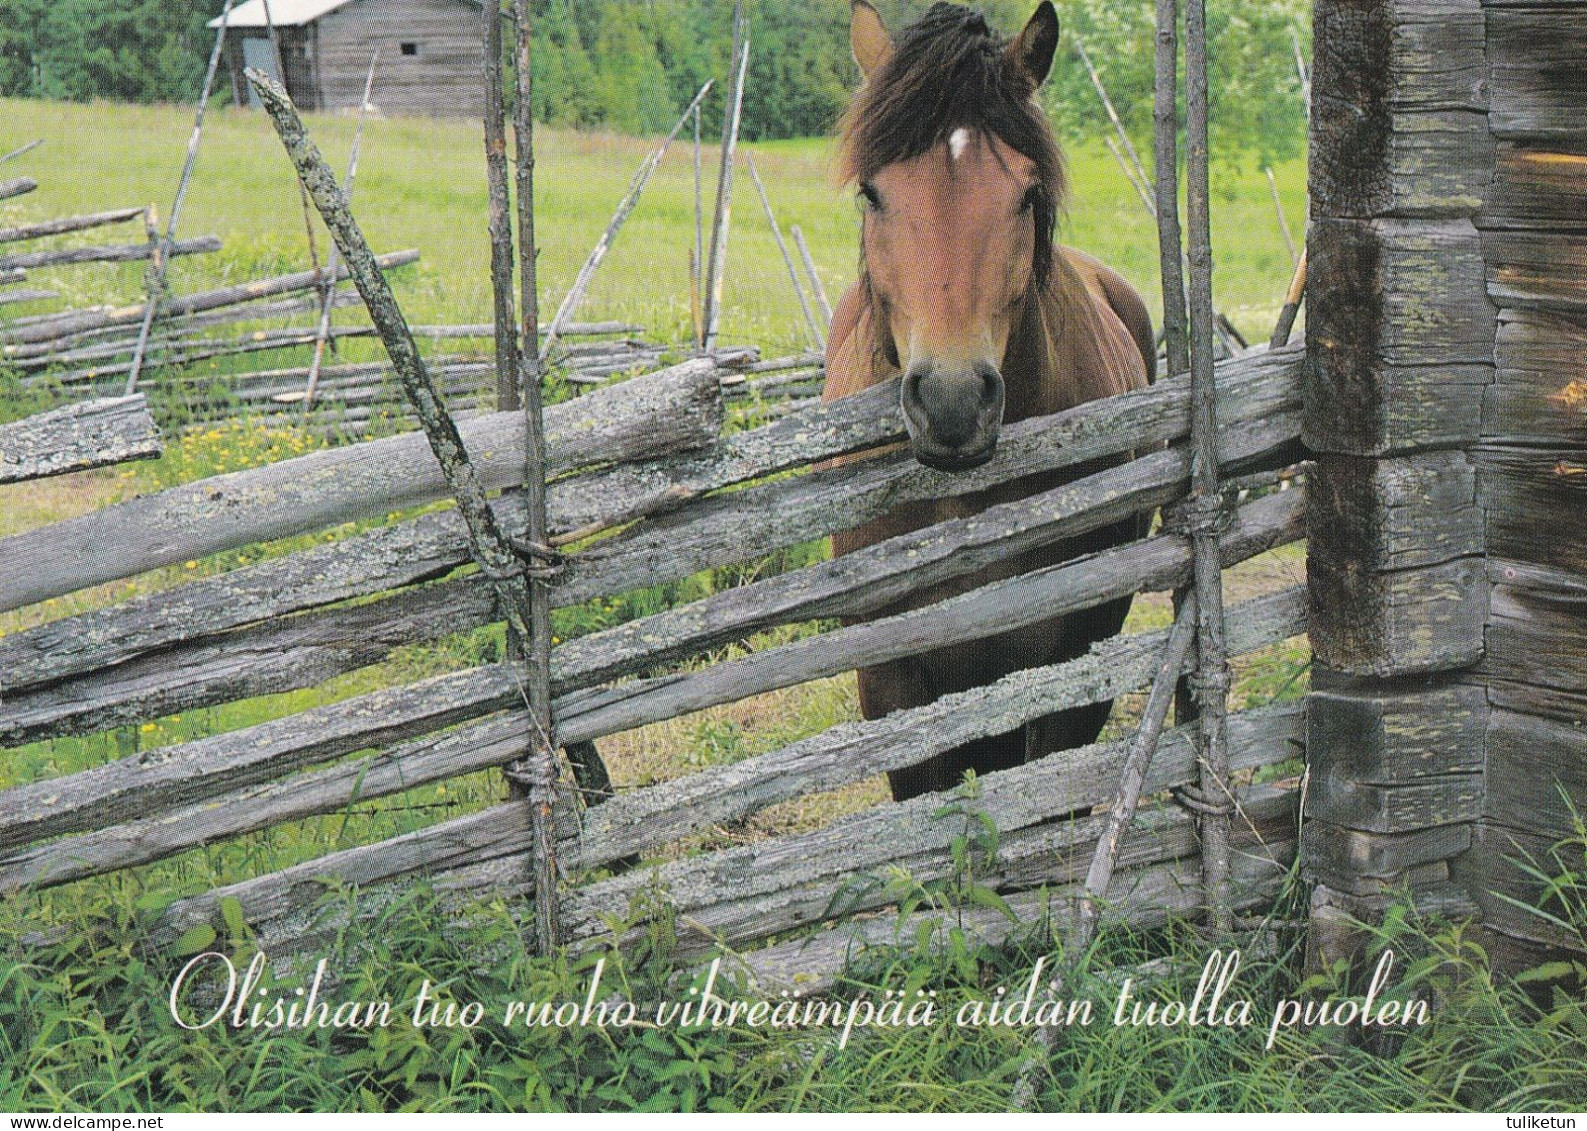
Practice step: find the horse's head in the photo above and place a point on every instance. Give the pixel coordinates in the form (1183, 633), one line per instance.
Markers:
(960, 180)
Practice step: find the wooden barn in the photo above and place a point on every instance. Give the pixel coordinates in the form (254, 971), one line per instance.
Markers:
(431, 61)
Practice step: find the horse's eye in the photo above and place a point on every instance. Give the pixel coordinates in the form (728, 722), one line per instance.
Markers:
(871, 197)
(1032, 195)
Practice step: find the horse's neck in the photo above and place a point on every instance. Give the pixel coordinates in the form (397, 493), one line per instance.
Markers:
(855, 360)
(1062, 350)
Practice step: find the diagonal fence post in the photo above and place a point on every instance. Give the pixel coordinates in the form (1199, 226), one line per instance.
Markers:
(506, 571)
(156, 285)
(322, 335)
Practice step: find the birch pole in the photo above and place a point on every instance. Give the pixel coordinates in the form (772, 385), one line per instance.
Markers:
(322, 334)
(1206, 511)
(537, 772)
(157, 280)
(716, 269)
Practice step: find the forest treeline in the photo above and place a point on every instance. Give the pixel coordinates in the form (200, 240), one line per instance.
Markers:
(630, 66)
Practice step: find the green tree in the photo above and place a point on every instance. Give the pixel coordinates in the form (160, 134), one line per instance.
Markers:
(141, 51)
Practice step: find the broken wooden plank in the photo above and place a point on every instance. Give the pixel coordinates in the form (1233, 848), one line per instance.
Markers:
(95, 433)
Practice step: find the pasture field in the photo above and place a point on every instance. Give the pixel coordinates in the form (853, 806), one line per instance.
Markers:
(422, 184)
(82, 1022)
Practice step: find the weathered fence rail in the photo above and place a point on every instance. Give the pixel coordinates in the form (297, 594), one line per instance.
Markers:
(78, 437)
(648, 491)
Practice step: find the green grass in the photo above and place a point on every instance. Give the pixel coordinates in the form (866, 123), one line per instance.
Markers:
(421, 184)
(84, 1026)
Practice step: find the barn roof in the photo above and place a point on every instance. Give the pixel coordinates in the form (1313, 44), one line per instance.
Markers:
(285, 13)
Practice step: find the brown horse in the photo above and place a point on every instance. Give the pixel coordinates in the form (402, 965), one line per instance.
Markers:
(963, 293)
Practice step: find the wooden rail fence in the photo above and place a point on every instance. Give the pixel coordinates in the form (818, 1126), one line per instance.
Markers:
(646, 489)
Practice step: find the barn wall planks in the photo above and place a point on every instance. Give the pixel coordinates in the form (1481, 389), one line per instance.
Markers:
(443, 76)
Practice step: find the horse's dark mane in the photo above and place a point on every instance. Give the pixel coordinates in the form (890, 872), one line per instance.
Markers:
(949, 71)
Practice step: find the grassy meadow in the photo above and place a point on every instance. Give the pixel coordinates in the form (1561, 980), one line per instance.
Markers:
(422, 184)
(82, 1020)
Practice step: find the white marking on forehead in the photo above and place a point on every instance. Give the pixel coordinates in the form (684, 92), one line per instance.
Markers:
(957, 142)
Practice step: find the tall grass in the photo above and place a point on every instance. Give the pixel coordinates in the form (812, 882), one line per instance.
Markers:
(84, 1025)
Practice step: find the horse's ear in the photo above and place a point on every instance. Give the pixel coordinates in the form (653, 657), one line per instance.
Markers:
(1033, 50)
(868, 37)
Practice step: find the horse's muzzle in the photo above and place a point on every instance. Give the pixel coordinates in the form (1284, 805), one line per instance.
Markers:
(953, 416)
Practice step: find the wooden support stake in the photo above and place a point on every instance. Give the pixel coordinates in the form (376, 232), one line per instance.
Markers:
(21, 149)
(1283, 224)
(581, 283)
(505, 304)
(303, 194)
(716, 267)
(1142, 191)
(1105, 857)
(1165, 134)
(1139, 760)
(1292, 301)
(1207, 511)
(322, 336)
(815, 278)
(1113, 115)
(817, 338)
(489, 547)
(537, 772)
(697, 261)
(157, 284)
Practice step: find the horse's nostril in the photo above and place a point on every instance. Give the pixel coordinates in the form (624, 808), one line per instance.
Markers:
(991, 386)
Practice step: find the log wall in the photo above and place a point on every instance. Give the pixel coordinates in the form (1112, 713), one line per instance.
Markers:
(1447, 402)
